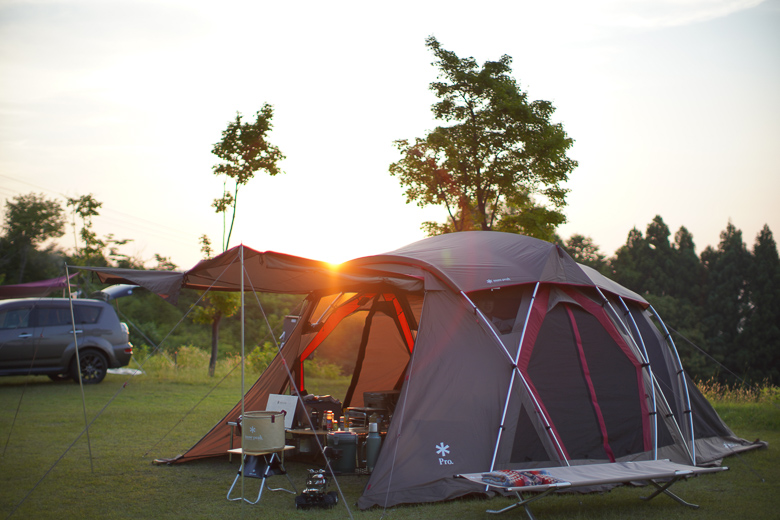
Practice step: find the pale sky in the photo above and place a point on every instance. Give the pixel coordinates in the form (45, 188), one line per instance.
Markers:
(674, 106)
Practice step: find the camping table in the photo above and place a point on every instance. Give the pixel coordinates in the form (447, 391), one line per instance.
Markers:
(261, 464)
(304, 437)
(652, 471)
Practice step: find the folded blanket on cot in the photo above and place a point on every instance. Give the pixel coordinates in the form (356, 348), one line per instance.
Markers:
(515, 478)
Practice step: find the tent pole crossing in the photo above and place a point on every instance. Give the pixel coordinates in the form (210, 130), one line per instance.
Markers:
(490, 328)
(682, 382)
(547, 426)
(512, 380)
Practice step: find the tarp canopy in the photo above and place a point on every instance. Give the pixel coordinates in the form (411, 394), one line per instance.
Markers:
(39, 289)
(467, 261)
(265, 272)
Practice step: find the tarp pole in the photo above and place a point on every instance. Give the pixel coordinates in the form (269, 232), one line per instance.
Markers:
(78, 368)
(682, 382)
(243, 362)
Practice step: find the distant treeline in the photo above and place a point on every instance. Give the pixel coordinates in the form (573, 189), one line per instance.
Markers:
(722, 306)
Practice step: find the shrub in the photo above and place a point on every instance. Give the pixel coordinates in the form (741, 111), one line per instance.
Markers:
(259, 359)
(714, 390)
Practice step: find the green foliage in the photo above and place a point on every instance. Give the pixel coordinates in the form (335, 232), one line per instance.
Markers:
(584, 251)
(30, 220)
(499, 153)
(760, 356)
(315, 369)
(727, 299)
(96, 251)
(244, 150)
(726, 302)
(216, 303)
(259, 359)
(33, 219)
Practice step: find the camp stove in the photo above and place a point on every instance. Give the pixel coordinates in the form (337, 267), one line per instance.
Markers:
(316, 494)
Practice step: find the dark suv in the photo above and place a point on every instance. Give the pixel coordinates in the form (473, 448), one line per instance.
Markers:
(37, 338)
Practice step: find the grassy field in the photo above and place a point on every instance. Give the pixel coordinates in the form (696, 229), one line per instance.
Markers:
(45, 470)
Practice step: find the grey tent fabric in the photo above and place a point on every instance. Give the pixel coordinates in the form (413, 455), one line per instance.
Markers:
(475, 260)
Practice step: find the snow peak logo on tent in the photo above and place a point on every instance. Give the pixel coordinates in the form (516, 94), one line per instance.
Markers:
(490, 280)
(442, 450)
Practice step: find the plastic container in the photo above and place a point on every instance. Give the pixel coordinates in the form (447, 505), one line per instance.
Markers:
(346, 444)
(262, 431)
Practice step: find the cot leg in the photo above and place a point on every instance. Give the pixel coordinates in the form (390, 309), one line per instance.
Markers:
(665, 489)
(524, 502)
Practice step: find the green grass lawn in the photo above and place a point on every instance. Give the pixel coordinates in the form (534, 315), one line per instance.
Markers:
(45, 469)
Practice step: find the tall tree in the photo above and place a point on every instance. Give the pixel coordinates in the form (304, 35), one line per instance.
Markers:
(687, 275)
(499, 164)
(243, 150)
(759, 357)
(727, 301)
(30, 220)
(625, 266)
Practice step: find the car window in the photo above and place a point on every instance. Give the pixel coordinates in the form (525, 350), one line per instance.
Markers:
(86, 314)
(15, 318)
(52, 316)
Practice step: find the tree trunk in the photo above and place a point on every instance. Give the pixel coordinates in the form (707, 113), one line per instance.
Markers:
(23, 262)
(214, 342)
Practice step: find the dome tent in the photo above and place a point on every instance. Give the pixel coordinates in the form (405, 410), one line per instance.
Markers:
(506, 354)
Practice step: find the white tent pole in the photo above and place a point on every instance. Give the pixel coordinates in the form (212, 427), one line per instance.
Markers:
(682, 382)
(538, 407)
(78, 367)
(668, 414)
(512, 380)
(652, 376)
(645, 359)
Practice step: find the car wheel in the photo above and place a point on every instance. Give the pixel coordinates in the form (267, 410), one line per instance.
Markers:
(93, 367)
(60, 377)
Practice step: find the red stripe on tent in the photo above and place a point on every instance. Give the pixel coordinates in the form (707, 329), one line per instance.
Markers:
(402, 319)
(597, 311)
(535, 321)
(591, 389)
